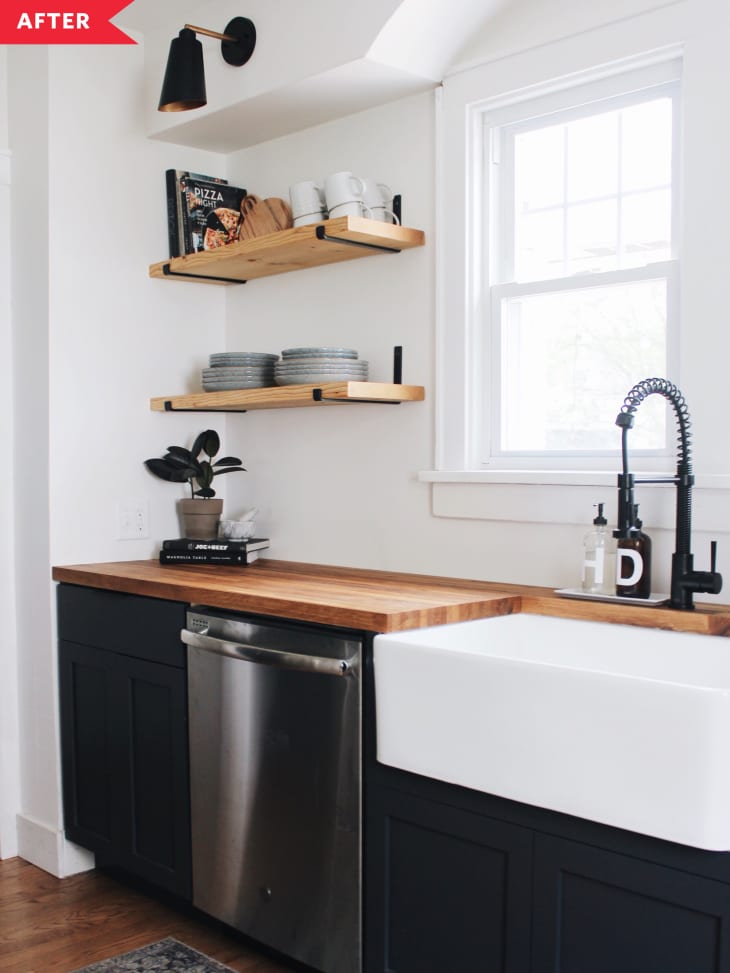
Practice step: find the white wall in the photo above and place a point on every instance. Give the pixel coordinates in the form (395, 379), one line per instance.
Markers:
(95, 338)
(338, 484)
(9, 735)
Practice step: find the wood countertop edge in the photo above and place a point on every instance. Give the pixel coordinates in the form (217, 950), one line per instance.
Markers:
(369, 600)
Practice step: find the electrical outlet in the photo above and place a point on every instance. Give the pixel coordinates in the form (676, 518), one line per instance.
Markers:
(133, 520)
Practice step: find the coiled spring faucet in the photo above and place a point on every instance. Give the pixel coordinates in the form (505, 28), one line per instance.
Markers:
(685, 580)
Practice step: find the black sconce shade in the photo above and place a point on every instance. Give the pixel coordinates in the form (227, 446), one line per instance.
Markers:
(184, 84)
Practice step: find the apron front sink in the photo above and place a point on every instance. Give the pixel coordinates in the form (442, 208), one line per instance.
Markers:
(618, 724)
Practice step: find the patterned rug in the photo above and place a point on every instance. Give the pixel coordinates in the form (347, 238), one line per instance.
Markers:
(166, 956)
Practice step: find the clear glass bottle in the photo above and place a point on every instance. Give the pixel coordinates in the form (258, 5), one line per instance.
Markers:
(599, 558)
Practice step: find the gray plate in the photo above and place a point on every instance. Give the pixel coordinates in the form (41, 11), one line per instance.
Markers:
(316, 378)
(240, 384)
(252, 355)
(318, 352)
(241, 363)
(230, 372)
(314, 361)
(322, 363)
(322, 369)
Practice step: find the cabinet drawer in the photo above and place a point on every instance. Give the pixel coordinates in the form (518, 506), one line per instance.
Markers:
(133, 625)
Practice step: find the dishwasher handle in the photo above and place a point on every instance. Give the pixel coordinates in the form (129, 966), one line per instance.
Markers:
(295, 661)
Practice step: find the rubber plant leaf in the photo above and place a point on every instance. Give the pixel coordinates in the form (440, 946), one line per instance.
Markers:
(166, 472)
(230, 469)
(208, 442)
(180, 452)
(227, 461)
(180, 462)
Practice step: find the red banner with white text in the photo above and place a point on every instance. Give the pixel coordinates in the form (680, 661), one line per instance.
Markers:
(61, 22)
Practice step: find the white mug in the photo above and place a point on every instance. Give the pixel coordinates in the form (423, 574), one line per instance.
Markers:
(379, 198)
(355, 207)
(306, 219)
(377, 194)
(384, 214)
(343, 187)
(307, 199)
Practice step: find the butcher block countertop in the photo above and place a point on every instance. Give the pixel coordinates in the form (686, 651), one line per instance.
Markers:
(374, 601)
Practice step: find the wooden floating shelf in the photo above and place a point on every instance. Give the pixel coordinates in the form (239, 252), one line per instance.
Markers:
(332, 241)
(289, 397)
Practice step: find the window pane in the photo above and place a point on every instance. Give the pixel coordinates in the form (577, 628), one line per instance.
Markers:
(540, 248)
(594, 193)
(646, 159)
(539, 169)
(591, 237)
(568, 360)
(646, 228)
(592, 157)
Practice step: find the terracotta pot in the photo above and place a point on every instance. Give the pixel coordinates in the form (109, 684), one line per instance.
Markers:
(199, 518)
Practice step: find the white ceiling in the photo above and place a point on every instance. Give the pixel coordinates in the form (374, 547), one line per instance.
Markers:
(150, 15)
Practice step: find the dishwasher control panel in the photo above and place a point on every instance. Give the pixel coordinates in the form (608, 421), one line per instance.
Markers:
(198, 623)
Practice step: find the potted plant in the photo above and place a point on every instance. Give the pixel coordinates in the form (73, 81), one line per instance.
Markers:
(200, 514)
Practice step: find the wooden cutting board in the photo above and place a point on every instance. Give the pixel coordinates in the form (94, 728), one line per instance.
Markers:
(261, 216)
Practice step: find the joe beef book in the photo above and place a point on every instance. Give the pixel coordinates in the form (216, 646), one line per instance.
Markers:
(211, 212)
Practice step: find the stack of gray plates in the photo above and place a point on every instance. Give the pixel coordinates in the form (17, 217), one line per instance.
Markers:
(239, 370)
(309, 366)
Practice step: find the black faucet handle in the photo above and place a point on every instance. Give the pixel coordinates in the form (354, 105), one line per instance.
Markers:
(708, 581)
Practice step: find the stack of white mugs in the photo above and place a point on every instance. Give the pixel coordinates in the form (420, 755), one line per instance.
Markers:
(343, 194)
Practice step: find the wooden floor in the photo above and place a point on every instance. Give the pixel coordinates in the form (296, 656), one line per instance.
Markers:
(50, 925)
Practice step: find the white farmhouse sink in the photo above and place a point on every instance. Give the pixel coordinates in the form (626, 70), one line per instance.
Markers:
(614, 723)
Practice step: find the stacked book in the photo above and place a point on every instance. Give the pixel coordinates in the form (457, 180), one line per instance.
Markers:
(188, 551)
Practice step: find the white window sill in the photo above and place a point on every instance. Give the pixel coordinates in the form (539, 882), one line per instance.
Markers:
(568, 496)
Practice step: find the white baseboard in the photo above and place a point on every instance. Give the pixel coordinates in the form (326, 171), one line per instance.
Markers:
(47, 848)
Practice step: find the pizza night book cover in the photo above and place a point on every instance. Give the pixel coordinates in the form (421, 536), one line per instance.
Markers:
(211, 213)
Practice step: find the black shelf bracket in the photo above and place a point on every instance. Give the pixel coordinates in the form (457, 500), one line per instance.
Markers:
(318, 397)
(321, 234)
(168, 272)
(398, 365)
(170, 408)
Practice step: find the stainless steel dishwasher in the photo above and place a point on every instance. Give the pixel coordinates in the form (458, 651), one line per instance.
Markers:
(275, 767)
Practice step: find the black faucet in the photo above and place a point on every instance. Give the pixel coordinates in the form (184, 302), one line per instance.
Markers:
(685, 580)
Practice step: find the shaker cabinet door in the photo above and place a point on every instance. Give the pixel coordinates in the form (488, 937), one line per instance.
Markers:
(152, 749)
(604, 912)
(90, 802)
(446, 889)
(125, 763)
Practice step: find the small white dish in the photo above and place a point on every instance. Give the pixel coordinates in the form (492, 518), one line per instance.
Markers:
(236, 530)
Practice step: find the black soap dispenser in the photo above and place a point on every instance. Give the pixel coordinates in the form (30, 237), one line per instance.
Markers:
(633, 569)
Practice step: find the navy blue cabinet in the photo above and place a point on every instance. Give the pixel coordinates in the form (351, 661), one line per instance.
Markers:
(447, 890)
(124, 747)
(462, 881)
(603, 912)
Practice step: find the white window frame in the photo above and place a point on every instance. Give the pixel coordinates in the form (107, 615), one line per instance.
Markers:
(464, 248)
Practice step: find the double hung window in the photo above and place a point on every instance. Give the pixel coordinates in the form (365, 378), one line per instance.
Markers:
(573, 255)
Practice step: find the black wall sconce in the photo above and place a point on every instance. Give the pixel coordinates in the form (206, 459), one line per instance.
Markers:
(184, 85)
